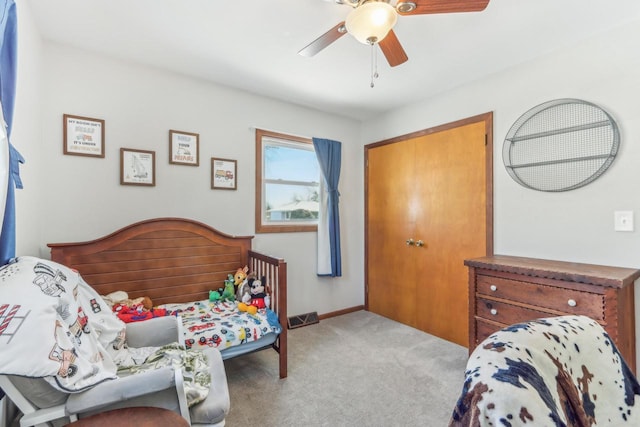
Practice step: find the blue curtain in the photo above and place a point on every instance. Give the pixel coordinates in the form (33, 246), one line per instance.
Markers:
(8, 65)
(329, 155)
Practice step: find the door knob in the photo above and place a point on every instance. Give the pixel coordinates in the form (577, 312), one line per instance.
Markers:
(419, 243)
(409, 242)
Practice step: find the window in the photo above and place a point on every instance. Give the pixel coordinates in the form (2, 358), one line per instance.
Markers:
(287, 183)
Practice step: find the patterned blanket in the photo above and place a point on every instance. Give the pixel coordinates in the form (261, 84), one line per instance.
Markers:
(221, 325)
(559, 371)
(53, 325)
(45, 329)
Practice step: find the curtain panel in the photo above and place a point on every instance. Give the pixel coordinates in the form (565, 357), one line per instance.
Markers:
(11, 157)
(329, 155)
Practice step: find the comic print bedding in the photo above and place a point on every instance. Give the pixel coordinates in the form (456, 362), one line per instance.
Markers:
(221, 325)
(45, 329)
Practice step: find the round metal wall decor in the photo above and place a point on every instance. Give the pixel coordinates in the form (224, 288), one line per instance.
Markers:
(560, 145)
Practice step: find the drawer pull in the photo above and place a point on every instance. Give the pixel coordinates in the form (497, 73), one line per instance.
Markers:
(494, 311)
(572, 303)
(493, 288)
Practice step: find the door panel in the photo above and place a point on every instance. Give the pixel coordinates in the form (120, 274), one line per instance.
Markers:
(390, 223)
(452, 181)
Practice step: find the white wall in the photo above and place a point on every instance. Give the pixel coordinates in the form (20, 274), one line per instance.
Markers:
(80, 198)
(575, 225)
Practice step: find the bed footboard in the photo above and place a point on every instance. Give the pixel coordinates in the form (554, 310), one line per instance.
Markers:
(275, 271)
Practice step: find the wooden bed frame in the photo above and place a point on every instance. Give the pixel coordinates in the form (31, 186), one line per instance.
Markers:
(173, 260)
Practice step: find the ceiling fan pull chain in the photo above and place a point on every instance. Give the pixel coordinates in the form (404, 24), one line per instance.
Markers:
(374, 63)
(375, 52)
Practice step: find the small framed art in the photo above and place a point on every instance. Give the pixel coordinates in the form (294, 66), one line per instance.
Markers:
(184, 148)
(83, 136)
(137, 167)
(223, 174)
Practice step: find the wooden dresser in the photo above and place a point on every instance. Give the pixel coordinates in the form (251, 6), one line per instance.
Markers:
(504, 290)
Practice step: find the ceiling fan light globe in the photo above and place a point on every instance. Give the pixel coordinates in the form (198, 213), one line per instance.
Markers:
(371, 21)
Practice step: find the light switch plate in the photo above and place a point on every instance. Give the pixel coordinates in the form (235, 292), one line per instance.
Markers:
(623, 220)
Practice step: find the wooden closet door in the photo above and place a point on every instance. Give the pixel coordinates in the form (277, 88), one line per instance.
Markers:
(433, 186)
(391, 207)
(451, 179)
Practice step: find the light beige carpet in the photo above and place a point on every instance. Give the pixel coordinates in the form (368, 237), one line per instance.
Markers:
(359, 369)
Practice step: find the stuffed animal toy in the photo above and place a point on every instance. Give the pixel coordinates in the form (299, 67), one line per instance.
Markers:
(214, 296)
(146, 302)
(134, 310)
(240, 280)
(240, 275)
(259, 298)
(122, 298)
(228, 294)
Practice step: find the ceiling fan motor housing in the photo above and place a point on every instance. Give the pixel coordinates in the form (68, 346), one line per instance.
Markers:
(405, 6)
(370, 22)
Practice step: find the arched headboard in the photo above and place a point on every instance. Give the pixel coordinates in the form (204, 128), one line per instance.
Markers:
(166, 259)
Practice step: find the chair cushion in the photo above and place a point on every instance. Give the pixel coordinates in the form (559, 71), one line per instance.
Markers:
(154, 332)
(216, 406)
(212, 410)
(39, 392)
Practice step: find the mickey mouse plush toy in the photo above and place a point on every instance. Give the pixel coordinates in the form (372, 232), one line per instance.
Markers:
(259, 298)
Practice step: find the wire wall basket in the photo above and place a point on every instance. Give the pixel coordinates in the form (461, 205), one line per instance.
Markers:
(560, 145)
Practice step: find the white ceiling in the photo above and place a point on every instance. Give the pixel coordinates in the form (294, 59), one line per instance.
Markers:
(252, 45)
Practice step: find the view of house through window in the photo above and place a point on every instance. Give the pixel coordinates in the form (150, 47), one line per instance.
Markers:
(288, 183)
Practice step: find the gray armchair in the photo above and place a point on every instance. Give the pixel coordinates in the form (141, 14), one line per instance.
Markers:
(40, 403)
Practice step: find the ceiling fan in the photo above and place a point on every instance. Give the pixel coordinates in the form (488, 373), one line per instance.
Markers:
(371, 22)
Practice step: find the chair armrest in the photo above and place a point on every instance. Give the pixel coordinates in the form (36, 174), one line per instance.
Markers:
(121, 389)
(154, 332)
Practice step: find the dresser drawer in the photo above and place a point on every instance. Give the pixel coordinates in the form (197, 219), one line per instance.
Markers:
(566, 301)
(483, 330)
(506, 313)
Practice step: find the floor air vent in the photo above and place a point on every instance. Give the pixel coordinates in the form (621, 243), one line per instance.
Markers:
(303, 320)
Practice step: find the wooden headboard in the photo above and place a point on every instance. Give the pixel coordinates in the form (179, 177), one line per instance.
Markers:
(166, 259)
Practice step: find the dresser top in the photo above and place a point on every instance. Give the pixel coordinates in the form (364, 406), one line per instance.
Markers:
(616, 277)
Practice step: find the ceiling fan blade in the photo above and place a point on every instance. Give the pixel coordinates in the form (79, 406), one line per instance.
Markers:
(393, 50)
(324, 40)
(424, 7)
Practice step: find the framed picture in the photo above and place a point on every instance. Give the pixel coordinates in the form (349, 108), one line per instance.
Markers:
(83, 136)
(184, 148)
(223, 174)
(137, 167)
